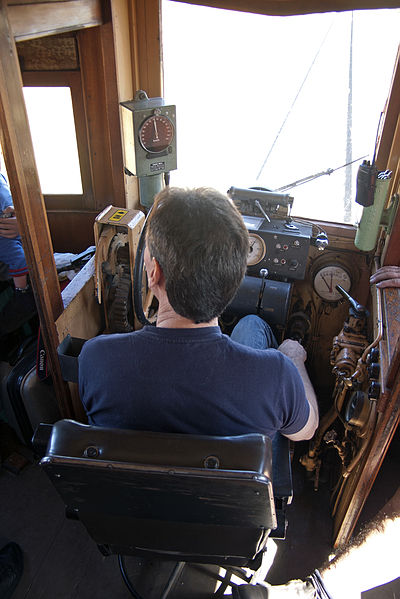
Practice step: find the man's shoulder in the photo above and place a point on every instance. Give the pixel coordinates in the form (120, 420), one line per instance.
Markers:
(108, 343)
(271, 355)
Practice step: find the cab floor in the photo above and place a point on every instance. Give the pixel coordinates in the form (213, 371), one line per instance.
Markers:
(62, 562)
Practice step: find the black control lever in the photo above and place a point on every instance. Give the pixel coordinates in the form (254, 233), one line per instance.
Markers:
(261, 209)
(263, 275)
(357, 310)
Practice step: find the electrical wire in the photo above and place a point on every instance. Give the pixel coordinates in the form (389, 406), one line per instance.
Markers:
(318, 583)
(297, 219)
(293, 103)
(309, 178)
(128, 583)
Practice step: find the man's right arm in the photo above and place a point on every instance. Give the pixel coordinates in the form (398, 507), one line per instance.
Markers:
(296, 352)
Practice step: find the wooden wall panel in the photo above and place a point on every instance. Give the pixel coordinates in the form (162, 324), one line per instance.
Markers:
(148, 54)
(391, 253)
(31, 20)
(99, 81)
(388, 157)
(71, 231)
(125, 42)
(25, 187)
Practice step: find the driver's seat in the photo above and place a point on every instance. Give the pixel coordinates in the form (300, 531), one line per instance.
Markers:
(188, 498)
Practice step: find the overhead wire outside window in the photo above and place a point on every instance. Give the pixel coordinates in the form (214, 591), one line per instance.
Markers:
(265, 101)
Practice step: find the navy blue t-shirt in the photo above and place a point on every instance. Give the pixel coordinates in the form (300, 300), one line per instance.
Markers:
(195, 381)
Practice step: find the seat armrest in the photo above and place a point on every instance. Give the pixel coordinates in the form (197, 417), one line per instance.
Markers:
(281, 468)
(41, 438)
(281, 482)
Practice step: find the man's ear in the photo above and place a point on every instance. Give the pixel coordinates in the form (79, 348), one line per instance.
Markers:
(155, 274)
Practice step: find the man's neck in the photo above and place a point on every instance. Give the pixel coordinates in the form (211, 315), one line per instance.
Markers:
(167, 318)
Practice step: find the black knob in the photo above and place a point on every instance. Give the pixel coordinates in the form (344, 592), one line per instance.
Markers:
(91, 452)
(374, 390)
(211, 462)
(374, 370)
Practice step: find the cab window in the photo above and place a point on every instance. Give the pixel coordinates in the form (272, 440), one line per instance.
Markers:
(52, 126)
(271, 101)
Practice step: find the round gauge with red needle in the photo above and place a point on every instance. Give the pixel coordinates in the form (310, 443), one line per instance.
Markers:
(326, 279)
(156, 133)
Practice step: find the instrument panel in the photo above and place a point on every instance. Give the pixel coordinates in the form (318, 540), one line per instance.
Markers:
(281, 246)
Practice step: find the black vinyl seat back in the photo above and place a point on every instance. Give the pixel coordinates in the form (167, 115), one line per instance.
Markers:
(174, 496)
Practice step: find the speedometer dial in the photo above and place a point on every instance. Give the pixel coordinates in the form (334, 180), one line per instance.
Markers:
(257, 249)
(156, 133)
(326, 279)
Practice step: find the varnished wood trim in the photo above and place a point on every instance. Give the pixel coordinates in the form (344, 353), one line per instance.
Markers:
(25, 188)
(390, 119)
(366, 475)
(147, 31)
(388, 157)
(39, 19)
(99, 82)
(391, 252)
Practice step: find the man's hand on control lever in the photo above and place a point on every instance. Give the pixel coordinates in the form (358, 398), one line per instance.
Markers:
(293, 350)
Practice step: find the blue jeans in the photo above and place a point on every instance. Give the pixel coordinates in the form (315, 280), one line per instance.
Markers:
(254, 332)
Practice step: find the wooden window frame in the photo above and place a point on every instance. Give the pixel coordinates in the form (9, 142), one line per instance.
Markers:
(71, 79)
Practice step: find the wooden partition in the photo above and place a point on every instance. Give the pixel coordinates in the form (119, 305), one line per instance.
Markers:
(20, 163)
(101, 27)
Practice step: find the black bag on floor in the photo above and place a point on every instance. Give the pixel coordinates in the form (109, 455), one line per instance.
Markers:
(29, 400)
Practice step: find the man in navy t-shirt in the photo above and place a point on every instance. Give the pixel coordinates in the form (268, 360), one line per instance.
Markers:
(184, 375)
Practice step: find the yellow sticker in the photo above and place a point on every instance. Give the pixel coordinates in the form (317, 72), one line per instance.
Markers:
(117, 215)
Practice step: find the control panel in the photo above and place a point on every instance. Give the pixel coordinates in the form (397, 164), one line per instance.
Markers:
(280, 245)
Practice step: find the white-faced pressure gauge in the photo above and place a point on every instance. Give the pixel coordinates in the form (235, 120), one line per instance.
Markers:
(156, 133)
(257, 249)
(326, 279)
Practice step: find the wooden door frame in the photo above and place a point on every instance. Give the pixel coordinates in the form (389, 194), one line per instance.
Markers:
(21, 167)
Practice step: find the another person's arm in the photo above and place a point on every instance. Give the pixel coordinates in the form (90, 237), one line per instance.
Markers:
(387, 276)
(296, 352)
(9, 226)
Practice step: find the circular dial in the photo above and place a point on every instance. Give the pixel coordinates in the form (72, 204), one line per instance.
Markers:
(156, 133)
(257, 249)
(326, 279)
